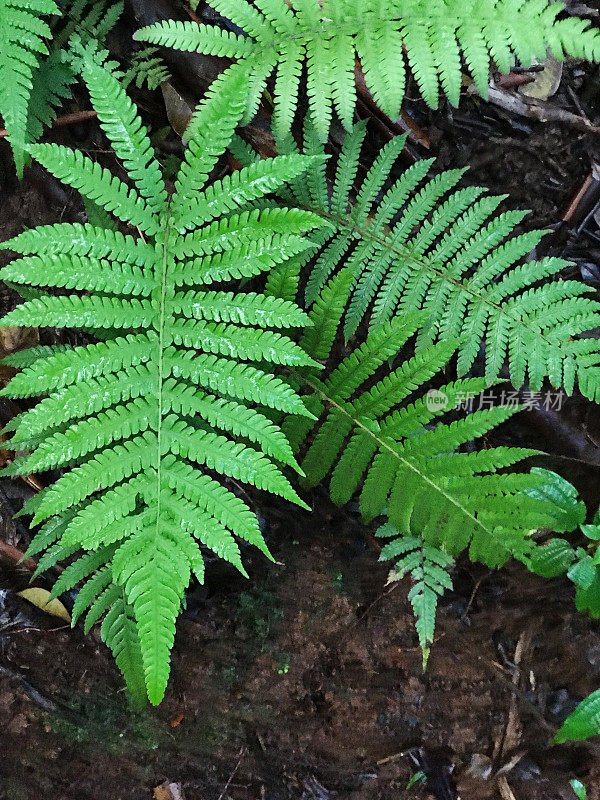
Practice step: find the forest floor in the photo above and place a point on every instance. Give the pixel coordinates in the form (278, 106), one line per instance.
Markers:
(306, 683)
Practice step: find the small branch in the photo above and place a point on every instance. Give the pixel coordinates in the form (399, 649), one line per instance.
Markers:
(14, 555)
(541, 112)
(67, 119)
(38, 698)
(241, 754)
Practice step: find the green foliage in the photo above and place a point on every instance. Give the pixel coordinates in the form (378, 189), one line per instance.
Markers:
(381, 438)
(36, 76)
(89, 20)
(583, 722)
(557, 556)
(579, 789)
(421, 244)
(386, 439)
(147, 68)
(428, 36)
(428, 568)
(23, 38)
(178, 398)
(141, 422)
(570, 511)
(52, 83)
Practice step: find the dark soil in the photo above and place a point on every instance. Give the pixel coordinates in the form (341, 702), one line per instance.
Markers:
(307, 681)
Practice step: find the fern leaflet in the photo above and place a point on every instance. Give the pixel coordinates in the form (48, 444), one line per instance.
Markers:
(428, 568)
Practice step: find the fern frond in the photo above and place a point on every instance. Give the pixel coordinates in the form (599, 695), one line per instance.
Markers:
(131, 421)
(430, 246)
(83, 240)
(380, 442)
(428, 568)
(429, 37)
(88, 21)
(23, 35)
(119, 631)
(243, 186)
(121, 123)
(96, 183)
(207, 135)
(51, 84)
(147, 68)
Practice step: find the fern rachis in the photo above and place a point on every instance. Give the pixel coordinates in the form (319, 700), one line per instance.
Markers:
(142, 421)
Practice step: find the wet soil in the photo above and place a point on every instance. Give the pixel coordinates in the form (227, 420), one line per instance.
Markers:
(308, 683)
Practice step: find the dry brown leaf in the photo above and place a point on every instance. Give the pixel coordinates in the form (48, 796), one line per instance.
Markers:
(179, 111)
(17, 338)
(168, 791)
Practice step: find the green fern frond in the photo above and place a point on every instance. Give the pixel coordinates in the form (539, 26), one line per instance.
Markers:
(51, 85)
(427, 245)
(147, 69)
(119, 631)
(90, 20)
(387, 37)
(35, 81)
(381, 442)
(101, 597)
(23, 35)
(122, 125)
(132, 420)
(428, 567)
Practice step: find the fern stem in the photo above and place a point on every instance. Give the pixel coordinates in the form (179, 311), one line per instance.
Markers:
(161, 347)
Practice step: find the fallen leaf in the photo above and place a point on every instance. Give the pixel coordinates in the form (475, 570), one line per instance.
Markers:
(168, 791)
(546, 82)
(39, 597)
(179, 111)
(17, 338)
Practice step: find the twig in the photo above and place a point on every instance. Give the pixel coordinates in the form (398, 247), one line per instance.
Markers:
(473, 595)
(15, 555)
(235, 769)
(67, 119)
(35, 695)
(521, 695)
(540, 112)
(390, 759)
(193, 16)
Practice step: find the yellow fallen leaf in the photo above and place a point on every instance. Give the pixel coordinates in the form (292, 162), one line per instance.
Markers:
(39, 597)
(546, 82)
(17, 338)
